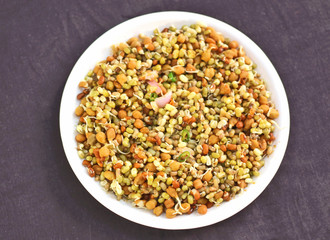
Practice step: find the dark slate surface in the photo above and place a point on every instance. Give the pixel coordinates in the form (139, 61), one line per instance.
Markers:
(40, 41)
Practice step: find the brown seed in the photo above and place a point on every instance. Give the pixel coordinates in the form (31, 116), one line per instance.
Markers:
(109, 175)
(213, 139)
(239, 124)
(226, 196)
(233, 44)
(209, 204)
(165, 156)
(138, 124)
(196, 194)
(97, 169)
(210, 40)
(80, 138)
(139, 179)
(83, 101)
(233, 121)
(137, 114)
(86, 163)
(101, 80)
(151, 204)
(202, 201)
(91, 172)
(158, 210)
(263, 144)
(122, 114)
(218, 195)
(96, 69)
(80, 96)
(79, 111)
(202, 209)
(129, 92)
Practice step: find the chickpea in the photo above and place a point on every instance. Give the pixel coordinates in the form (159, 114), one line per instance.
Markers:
(165, 156)
(208, 176)
(111, 134)
(172, 192)
(137, 115)
(104, 152)
(151, 204)
(109, 175)
(122, 114)
(132, 64)
(213, 139)
(170, 213)
(100, 136)
(202, 209)
(175, 165)
(158, 210)
(205, 150)
(80, 138)
(233, 44)
(198, 184)
(121, 78)
(273, 113)
(79, 111)
(169, 203)
(184, 208)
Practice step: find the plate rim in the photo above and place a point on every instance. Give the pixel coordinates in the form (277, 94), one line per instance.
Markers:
(268, 63)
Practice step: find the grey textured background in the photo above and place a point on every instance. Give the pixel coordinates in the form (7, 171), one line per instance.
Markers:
(40, 41)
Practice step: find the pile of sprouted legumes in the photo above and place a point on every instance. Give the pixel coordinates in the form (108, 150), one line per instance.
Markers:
(175, 122)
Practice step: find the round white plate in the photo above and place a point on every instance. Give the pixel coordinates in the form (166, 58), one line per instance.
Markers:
(100, 49)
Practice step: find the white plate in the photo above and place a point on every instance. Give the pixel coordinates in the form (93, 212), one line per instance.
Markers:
(100, 49)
